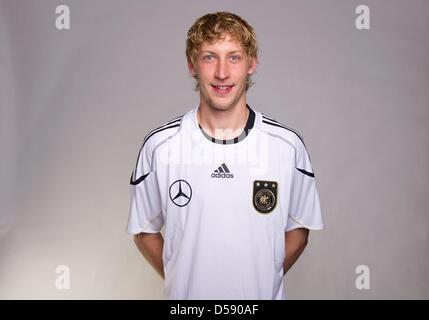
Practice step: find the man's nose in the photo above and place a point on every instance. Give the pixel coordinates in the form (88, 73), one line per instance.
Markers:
(222, 71)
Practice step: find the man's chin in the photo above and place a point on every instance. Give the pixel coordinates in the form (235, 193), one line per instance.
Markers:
(221, 105)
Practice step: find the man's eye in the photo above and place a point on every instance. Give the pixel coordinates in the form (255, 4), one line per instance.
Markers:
(235, 58)
(208, 57)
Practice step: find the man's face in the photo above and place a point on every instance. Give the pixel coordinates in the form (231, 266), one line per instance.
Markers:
(222, 69)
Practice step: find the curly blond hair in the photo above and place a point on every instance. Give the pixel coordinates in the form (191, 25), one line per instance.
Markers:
(215, 26)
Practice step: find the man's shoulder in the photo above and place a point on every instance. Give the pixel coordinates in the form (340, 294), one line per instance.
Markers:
(162, 132)
(279, 130)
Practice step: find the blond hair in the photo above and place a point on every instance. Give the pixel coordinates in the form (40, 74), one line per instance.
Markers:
(215, 26)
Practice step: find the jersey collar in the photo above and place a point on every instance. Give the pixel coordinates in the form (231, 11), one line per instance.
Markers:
(249, 126)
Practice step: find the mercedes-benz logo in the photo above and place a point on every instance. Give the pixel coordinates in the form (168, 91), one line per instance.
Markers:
(180, 193)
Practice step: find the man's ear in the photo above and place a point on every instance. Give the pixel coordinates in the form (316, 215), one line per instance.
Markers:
(253, 63)
(191, 68)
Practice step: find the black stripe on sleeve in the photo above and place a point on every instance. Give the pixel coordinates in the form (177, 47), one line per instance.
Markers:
(147, 138)
(277, 124)
(136, 182)
(310, 174)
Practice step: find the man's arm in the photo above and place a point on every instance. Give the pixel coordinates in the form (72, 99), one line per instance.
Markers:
(150, 245)
(296, 241)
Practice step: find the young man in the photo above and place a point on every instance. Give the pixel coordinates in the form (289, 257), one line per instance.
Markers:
(233, 188)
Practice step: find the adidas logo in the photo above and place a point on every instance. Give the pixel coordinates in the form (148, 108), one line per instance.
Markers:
(222, 172)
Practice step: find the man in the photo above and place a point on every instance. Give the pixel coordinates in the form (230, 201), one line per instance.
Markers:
(233, 188)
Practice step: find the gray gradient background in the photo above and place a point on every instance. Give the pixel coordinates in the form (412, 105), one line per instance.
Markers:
(76, 104)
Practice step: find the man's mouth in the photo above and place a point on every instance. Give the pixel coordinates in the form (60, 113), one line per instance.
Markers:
(222, 89)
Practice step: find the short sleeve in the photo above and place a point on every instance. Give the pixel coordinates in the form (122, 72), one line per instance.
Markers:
(304, 205)
(292, 224)
(145, 213)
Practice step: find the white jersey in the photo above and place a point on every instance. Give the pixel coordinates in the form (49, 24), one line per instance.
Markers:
(225, 205)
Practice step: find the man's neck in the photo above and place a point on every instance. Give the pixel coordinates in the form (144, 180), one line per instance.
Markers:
(223, 124)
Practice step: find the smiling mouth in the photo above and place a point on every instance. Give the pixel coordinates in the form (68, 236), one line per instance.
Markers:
(222, 89)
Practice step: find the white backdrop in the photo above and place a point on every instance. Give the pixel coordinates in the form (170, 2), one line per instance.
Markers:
(76, 104)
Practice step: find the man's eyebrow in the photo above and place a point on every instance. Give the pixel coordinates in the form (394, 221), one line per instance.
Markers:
(231, 52)
(236, 51)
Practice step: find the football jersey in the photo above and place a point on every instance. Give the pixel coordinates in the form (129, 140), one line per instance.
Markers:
(225, 205)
